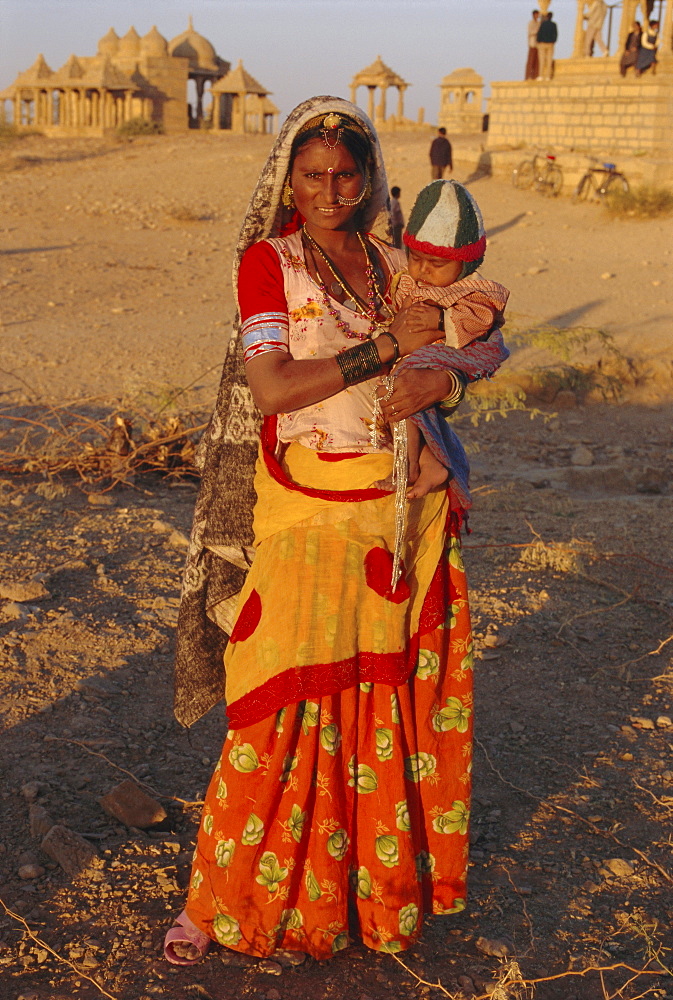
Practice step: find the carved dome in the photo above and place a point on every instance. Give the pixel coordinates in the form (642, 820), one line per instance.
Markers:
(154, 44)
(109, 44)
(129, 45)
(193, 46)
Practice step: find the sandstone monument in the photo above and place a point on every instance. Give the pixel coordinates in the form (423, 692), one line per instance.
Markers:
(460, 105)
(133, 77)
(588, 106)
(380, 77)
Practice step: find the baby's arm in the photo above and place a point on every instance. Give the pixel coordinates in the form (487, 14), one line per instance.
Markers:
(471, 317)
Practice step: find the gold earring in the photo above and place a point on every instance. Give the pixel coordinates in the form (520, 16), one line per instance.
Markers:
(287, 196)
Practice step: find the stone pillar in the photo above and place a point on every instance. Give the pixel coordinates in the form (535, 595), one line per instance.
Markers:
(128, 106)
(95, 108)
(216, 112)
(578, 40)
(400, 102)
(629, 14)
(381, 110)
(353, 92)
(199, 98)
(666, 31)
(370, 106)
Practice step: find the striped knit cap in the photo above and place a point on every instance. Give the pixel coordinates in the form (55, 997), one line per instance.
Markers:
(446, 222)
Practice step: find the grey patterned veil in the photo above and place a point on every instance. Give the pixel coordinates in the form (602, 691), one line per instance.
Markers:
(220, 549)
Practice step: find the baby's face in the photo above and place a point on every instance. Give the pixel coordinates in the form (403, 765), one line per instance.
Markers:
(431, 270)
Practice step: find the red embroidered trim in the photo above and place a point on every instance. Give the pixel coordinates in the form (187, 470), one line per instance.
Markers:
(468, 253)
(269, 440)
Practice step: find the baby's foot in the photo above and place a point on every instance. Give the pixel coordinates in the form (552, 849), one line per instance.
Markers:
(384, 484)
(432, 476)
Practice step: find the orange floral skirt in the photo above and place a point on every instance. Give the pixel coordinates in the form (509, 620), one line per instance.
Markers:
(347, 814)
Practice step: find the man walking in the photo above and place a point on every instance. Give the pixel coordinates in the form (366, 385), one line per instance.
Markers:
(546, 39)
(440, 155)
(593, 34)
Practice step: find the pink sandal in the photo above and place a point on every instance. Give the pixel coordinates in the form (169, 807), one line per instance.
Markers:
(184, 931)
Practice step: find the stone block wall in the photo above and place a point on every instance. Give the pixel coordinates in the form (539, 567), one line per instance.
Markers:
(586, 111)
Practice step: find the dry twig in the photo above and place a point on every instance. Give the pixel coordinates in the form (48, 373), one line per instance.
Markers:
(571, 812)
(139, 781)
(43, 944)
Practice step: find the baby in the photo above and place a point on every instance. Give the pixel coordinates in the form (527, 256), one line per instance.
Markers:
(445, 245)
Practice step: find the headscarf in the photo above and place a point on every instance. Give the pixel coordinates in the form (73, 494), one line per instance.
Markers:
(220, 550)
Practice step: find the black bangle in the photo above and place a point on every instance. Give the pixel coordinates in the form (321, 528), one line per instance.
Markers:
(359, 363)
(396, 346)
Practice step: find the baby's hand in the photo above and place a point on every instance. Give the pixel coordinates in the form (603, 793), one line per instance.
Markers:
(415, 326)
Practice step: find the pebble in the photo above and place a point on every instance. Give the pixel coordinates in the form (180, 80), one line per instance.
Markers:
(178, 540)
(641, 721)
(494, 639)
(22, 591)
(619, 867)
(12, 612)
(606, 275)
(30, 790)
(161, 527)
(271, 968)
(132, 806)
(565, 399)
(495, 947)
(664, 721)
(30, 871)
(582, 456)
(101, 500)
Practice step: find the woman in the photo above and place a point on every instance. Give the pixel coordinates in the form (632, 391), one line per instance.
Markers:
(647, 54)
(631, 49)
(340, 803)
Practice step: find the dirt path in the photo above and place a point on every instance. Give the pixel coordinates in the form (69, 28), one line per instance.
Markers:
(570, 565)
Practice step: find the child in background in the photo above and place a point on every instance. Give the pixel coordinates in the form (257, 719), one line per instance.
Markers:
(446, 243)
(396, 217)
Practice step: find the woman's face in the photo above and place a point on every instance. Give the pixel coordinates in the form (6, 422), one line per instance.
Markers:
(319, 175)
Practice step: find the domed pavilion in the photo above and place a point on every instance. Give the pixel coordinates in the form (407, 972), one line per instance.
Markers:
(131, 76)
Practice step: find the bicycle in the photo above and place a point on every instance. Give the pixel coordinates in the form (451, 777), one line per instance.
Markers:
(542, 172)
(600, 181)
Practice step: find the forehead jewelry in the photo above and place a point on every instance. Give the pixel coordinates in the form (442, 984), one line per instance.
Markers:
(332, 124)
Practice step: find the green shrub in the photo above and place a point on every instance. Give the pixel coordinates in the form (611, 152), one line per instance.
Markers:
(139, 126)
(645, 202)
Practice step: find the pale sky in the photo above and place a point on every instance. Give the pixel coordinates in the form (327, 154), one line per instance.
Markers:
(299, 48)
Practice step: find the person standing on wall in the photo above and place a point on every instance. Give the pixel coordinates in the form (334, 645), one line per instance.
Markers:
(440, 155)
(532, 63)
(547, 36)
(593, 34)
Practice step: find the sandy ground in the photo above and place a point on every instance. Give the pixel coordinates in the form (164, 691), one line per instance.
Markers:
(115, 285)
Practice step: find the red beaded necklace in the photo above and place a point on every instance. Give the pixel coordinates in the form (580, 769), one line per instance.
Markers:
(373, 291)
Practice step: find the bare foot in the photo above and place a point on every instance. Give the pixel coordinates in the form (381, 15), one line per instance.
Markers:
(432, 476)
(384, 484)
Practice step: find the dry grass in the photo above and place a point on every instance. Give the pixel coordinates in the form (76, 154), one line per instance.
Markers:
(100, 445)
(645, 202)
